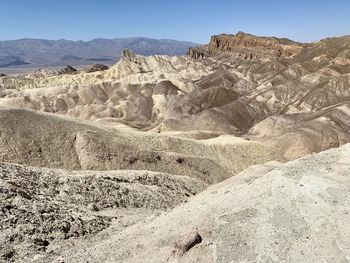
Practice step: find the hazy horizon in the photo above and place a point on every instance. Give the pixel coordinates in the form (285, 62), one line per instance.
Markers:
(87, 40)
(193, 21)
(171, 39)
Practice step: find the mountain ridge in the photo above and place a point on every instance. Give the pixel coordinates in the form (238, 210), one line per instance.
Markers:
(45, 53)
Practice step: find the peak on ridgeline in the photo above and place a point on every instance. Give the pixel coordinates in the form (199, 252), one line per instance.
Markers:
(69, 70)
(248, 46)
(128, 54)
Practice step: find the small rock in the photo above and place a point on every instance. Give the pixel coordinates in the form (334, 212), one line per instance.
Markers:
(93, 207)
(8, 253)
(41, 242)
(187, 242)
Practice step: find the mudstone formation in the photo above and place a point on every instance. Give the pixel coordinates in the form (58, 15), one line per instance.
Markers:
(235, 152)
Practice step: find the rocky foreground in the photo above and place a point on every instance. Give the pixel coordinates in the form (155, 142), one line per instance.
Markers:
(181, 159)
(293, 212)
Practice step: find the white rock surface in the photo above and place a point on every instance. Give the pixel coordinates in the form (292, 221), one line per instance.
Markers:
(293, 212)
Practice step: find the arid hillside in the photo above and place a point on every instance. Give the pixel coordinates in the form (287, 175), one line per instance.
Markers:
(237, 84)
(206, 157)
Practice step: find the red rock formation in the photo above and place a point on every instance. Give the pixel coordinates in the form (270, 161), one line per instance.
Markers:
(248, 46)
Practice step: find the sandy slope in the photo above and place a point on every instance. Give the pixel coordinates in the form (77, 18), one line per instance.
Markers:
(293, 212)
(49, 140)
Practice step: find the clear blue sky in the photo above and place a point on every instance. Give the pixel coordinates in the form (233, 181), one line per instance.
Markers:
(192, 20)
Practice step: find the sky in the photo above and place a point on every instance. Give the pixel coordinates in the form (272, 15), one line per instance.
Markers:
(190, 20)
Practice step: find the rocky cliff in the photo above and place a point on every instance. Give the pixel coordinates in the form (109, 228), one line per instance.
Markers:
(248, 46)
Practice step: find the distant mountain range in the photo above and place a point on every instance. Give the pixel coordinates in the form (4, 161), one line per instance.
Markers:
(41, 52)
